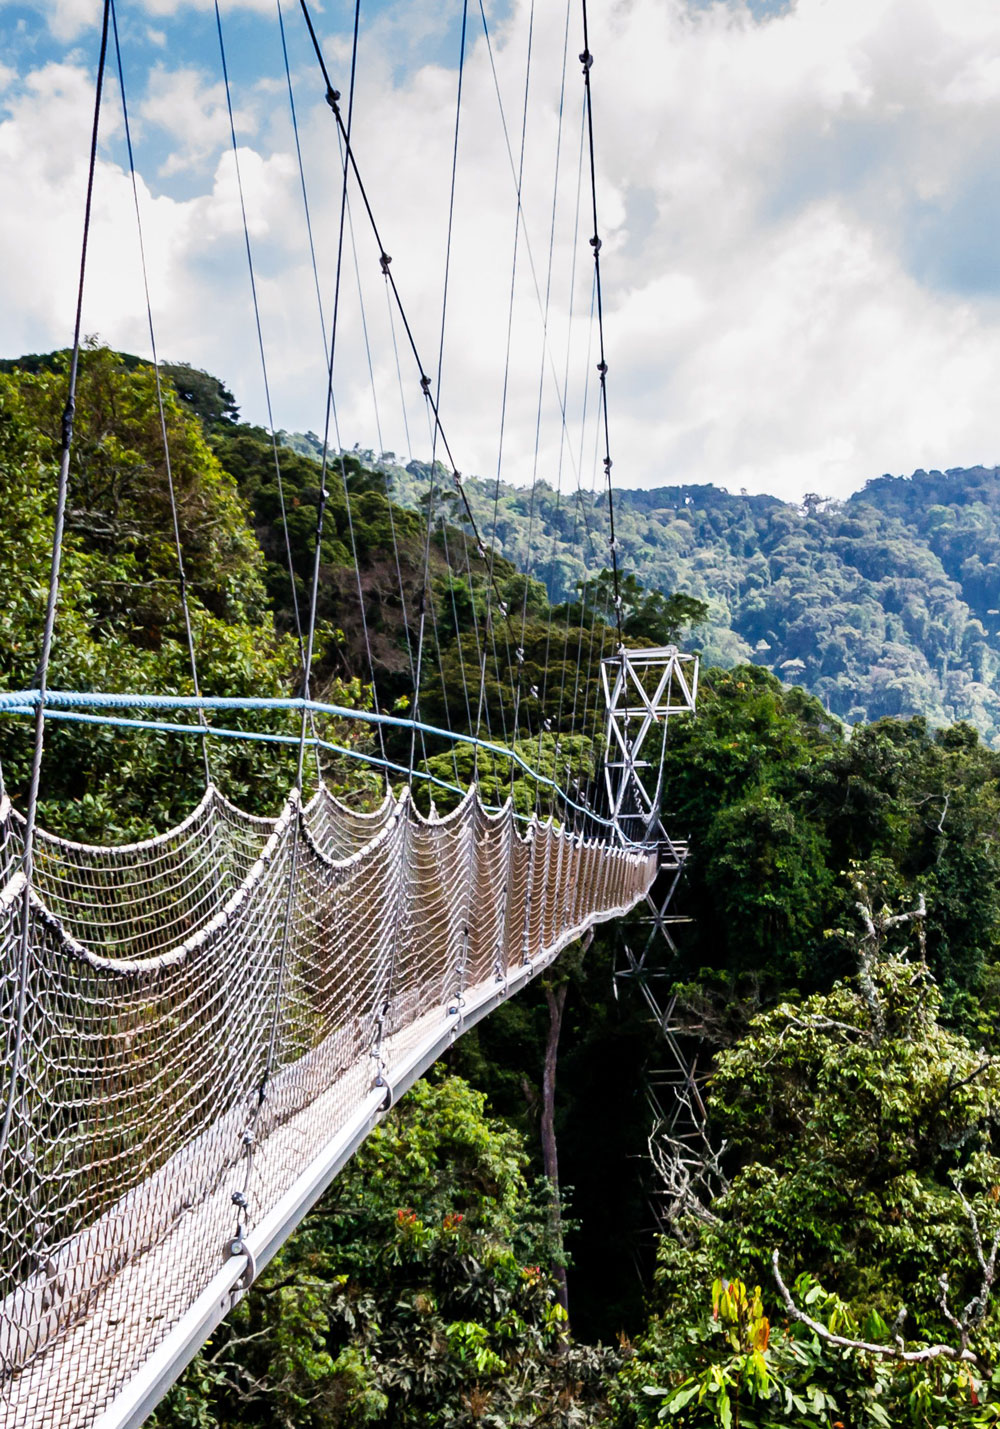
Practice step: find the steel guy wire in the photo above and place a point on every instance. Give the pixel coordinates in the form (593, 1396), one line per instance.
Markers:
(181, 573)
(52, 598)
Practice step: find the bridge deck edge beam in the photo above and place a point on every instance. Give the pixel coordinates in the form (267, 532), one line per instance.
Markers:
(139, 1397)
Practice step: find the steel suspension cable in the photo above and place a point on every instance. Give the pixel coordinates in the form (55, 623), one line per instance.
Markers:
(587, 61)
(333, 100)
(544, 723)
(322, 327)
(378, 429)
(250, 1132)
(409, 456)
(324, 493)
(181, 572)
(302, 175)
(331, 412)
(527, 236)
(510, 329)
(440, 370)
(52, 598)
(333, 97)
(257, 320)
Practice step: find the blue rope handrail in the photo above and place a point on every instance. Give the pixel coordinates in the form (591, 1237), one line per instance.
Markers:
(59, 705)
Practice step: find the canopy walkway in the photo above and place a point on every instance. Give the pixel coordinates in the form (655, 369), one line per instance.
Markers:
(200, 1029)
(213, 1021)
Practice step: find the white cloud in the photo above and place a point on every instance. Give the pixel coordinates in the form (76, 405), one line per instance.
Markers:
(191, 109)
(67, 20)
(784, 206)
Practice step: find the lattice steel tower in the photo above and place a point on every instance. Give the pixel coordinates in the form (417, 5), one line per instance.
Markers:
(643, 691)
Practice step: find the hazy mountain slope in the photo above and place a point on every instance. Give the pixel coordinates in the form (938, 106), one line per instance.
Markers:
(885, 604)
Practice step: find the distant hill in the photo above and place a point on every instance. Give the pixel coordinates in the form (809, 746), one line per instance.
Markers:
(885, 604)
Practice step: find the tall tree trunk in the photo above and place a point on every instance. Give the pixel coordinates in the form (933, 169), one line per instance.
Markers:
(555, 998)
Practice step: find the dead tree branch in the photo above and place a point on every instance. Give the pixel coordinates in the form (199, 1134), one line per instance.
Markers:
(894, 1351)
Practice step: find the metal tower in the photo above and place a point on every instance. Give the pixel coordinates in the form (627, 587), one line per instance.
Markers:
(643, 690)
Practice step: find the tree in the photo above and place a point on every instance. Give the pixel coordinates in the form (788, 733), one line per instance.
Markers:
(861, 1141)
(207, 397)
(418, 1292)
(120, 624)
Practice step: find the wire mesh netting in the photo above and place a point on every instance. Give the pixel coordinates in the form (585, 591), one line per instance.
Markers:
(202, 1013)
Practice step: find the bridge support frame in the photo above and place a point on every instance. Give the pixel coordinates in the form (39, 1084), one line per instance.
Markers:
(137, 1399)
(643, 690)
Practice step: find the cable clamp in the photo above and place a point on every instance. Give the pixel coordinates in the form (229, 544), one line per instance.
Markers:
(533, 692)
(547, 725)
(595, 243)
(481, 552)
(333, 99)
(457, 478)
(602, 368)
(384, 260)
(519, 653)
(425, 385)
(238, 1246)
(502, 606)
(239, 1199)
(587, 60)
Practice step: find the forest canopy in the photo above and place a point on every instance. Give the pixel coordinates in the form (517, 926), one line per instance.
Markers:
(829, 1260)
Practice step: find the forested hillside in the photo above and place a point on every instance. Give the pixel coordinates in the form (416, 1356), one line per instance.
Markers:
(829, 1256)
(885, 604)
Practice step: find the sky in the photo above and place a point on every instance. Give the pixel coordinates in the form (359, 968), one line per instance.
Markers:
(799, 203)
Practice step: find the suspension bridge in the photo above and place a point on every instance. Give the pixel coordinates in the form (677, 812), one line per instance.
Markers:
(202, 1027)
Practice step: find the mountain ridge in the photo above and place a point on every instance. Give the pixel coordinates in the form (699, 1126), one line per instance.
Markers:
(886, 603)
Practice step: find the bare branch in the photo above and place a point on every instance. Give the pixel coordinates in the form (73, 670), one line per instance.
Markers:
(954, 1086)
(976, 1308)
(957, 1325)
(894, 1352)
(691, 1177)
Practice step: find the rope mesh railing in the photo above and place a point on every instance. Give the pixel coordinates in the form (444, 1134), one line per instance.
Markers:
(203, 1011)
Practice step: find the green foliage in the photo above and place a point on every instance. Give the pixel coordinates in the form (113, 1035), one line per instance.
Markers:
(209, 399)
(648, 616)
(859, 1118)
(120, 623)
(861, 1144)
(884, 605)
(738, 1371)
(415, 1294)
